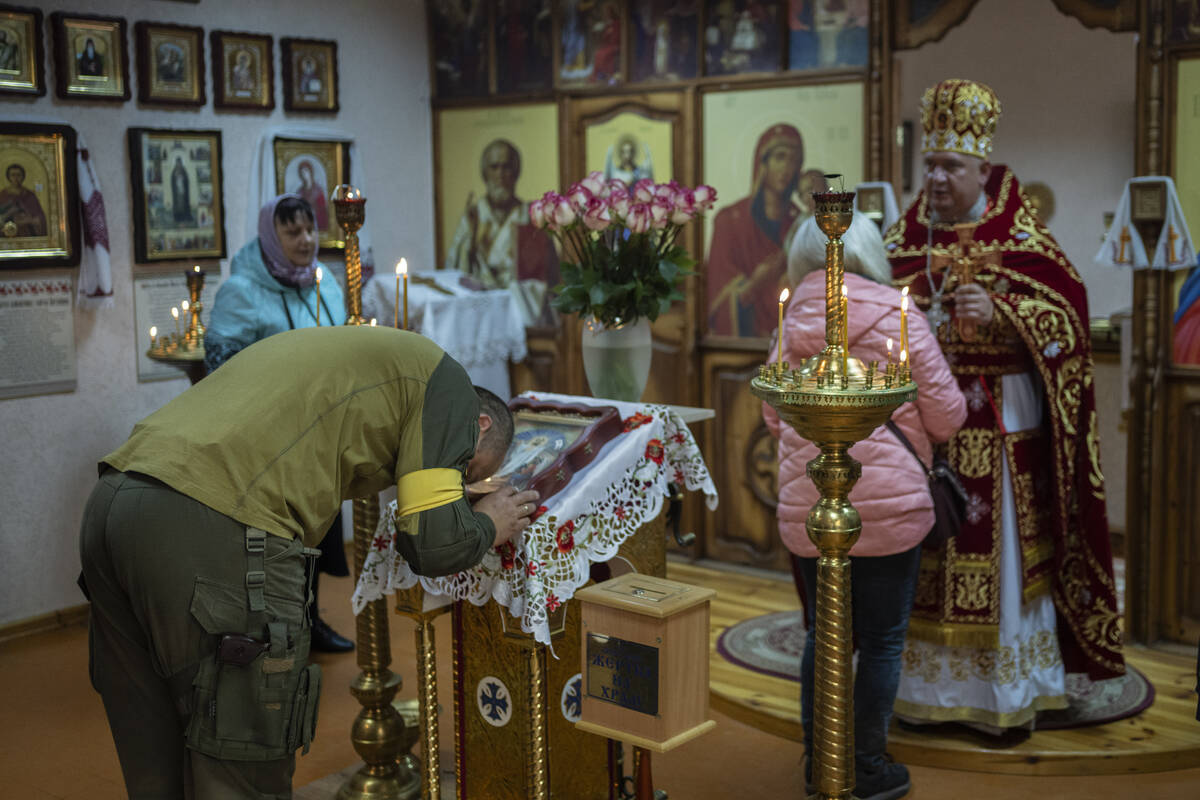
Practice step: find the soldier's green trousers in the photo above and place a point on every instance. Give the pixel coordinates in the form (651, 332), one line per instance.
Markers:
(198, 643)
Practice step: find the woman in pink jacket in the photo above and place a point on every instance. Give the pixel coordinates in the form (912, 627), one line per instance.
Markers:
(892, 496)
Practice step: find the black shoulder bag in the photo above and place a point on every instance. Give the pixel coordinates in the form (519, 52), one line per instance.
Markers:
(949, 496)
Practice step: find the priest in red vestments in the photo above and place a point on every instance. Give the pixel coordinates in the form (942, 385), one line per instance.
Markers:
(1025, 593)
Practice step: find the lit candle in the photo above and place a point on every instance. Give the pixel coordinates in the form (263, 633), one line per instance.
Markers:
(845, 331)
(153, 336)
(184, 306)
(396, 305)
(402, 269)
(783, 296)
(903, 323)
(373, 321)
(318, 297)
(175, 314)
(889, 345)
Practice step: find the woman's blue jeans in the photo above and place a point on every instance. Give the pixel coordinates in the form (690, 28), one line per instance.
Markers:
(882, 589)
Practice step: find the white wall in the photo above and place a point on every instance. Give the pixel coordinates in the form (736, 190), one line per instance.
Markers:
(1067, 94)
(51, 443)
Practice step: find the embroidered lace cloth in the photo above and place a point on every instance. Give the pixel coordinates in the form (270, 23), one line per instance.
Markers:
(603, 505)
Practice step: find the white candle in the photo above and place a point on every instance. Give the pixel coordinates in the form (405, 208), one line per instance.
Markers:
(373, 321)
(153, 335)
(402, 269)
(845, 329)
(401, 266)
(318, 297)
(783, 296)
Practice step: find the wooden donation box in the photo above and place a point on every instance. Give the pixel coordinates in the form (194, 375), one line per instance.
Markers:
(645, 656)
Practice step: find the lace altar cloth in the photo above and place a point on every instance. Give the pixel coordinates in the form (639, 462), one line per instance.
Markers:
(586, 522)
(482, 330)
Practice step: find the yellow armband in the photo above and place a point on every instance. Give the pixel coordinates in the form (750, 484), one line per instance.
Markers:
(426, 489)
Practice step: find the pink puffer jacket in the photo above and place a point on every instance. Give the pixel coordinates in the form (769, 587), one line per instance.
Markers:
(892, 496)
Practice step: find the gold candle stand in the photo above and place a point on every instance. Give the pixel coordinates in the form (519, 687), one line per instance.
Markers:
(351, 210)
(833, 400)
(186, 351)
(378, 732)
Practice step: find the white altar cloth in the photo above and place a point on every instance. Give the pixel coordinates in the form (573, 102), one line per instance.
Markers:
(602, 506)
(482, 330)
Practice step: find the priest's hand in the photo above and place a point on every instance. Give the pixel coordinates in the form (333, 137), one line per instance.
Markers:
(509, 511)
(974, 304)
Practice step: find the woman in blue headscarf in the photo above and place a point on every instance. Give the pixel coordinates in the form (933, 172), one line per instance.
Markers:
(272, 288)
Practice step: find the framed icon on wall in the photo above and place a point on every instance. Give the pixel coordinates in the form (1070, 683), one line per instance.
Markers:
(39, 200)
(243, 70)
(311, 169)
(178, 207)
(310, 76)
(91, 59)
(170, 61)
(22, 54)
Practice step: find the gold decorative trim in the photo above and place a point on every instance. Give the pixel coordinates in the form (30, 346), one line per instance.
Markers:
(955, 634)
(981, 716)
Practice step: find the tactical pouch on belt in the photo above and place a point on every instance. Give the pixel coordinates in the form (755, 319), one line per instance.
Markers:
(255, 698)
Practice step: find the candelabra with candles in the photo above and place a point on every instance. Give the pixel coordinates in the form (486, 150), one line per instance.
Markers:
(184, 349)
(379, 732)
(834, 400)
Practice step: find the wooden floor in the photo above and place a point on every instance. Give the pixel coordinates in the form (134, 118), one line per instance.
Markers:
(1164, 737)
(55, 743)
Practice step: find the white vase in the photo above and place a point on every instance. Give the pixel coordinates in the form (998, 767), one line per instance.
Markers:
(617, 360)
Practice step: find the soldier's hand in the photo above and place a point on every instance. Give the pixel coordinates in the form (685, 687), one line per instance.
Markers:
(973, 304)
(509, 510)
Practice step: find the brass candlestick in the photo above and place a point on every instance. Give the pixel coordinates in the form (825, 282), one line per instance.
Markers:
(833, 401)
(378, 733)
(350, 208)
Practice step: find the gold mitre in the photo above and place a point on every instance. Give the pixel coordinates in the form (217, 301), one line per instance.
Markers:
(959, 116)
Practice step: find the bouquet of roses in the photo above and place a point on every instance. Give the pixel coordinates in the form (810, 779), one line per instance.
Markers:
(626, 261)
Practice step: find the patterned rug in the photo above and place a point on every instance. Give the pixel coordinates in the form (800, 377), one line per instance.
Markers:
(773, 643)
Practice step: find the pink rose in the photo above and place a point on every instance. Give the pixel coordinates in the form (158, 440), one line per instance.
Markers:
(642, 191)
(559, 213)
(537, 213)
(594, 182)
(665, 190)
(661, 210)
(640, 218)
(683, 206)
(614, 187)
(704, 196)
(618, 204)
(579, 195)
(596, 216)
